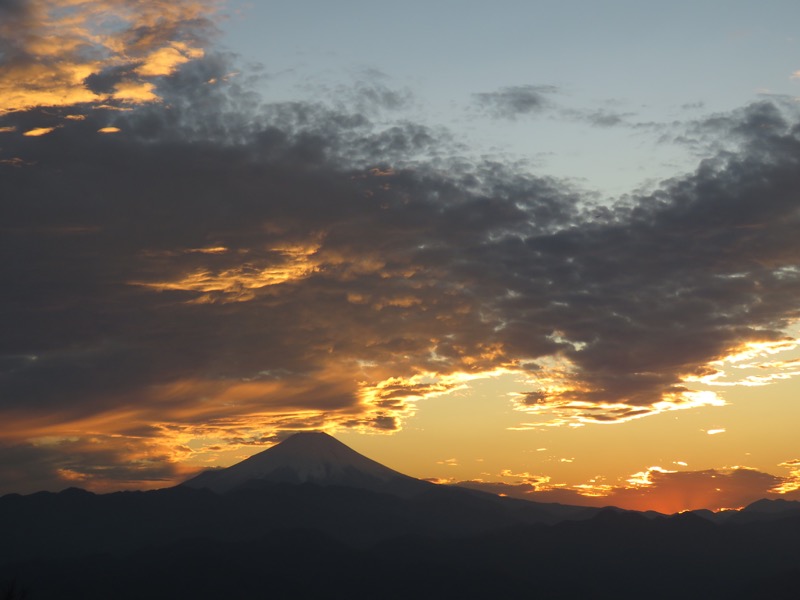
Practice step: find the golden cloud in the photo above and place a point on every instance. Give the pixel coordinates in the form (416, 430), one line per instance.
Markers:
(241, 283)
(56, 47)
(38, 131)
(656, 488)
(164, 61)
(791, 483)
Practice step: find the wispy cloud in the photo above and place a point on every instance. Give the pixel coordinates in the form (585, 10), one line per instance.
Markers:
(516, 101)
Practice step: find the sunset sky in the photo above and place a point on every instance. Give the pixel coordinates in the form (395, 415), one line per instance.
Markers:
(548, 249)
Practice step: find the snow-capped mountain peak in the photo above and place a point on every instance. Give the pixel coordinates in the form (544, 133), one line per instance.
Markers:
(307, 457)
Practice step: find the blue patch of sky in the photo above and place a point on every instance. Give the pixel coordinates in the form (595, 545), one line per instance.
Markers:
(626, 73)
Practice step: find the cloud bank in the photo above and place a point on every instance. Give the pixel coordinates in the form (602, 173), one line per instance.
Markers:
(202, 268)
(657, 489)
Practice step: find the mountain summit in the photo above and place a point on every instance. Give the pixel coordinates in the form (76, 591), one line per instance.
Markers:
(309, 457)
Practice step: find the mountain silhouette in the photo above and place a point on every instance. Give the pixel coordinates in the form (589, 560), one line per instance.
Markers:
(310, 517)
(318, 459)
(309, 457)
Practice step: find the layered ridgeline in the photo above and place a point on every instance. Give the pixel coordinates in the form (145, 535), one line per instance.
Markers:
(310, 517)
(310, 457)
(310, 481)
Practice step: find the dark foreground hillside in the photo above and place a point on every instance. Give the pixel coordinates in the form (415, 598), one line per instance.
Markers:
(311, 518)
(611, 555)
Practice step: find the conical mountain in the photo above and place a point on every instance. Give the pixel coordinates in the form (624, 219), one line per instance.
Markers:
(309, 457)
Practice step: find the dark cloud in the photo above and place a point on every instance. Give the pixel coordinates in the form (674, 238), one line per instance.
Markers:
(105, 463)
(732, 132)
(11, 7)
(15, 16)
(516, 490)
(156, 273)
(601, 117)
(223, 269)
(516, 101)
(106, 80)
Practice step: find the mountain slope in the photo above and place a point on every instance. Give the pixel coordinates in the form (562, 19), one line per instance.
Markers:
(309, 457)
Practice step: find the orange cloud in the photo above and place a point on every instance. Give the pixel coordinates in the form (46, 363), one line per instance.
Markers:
(57, 47)
(241, 283)
(100, 463)
(158, 423)
(791, 483)
(658, 489)
(165, 61)
(39, 131)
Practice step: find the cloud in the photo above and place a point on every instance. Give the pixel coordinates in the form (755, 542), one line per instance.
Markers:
(601, 117)
(670, 492)
(516, 490)
(56, 54)
(99, 463)
(516, 101)
(370, 94)
(790, 483)
(221, 269)
(656, 489)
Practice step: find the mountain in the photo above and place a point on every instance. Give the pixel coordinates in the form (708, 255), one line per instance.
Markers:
(766, 510)
(319, 459)
(309, 481)
(777, 506)
(759, 511)
(311, 517)
(309, 457)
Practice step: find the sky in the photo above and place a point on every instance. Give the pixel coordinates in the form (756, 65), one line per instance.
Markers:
(546, 249)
